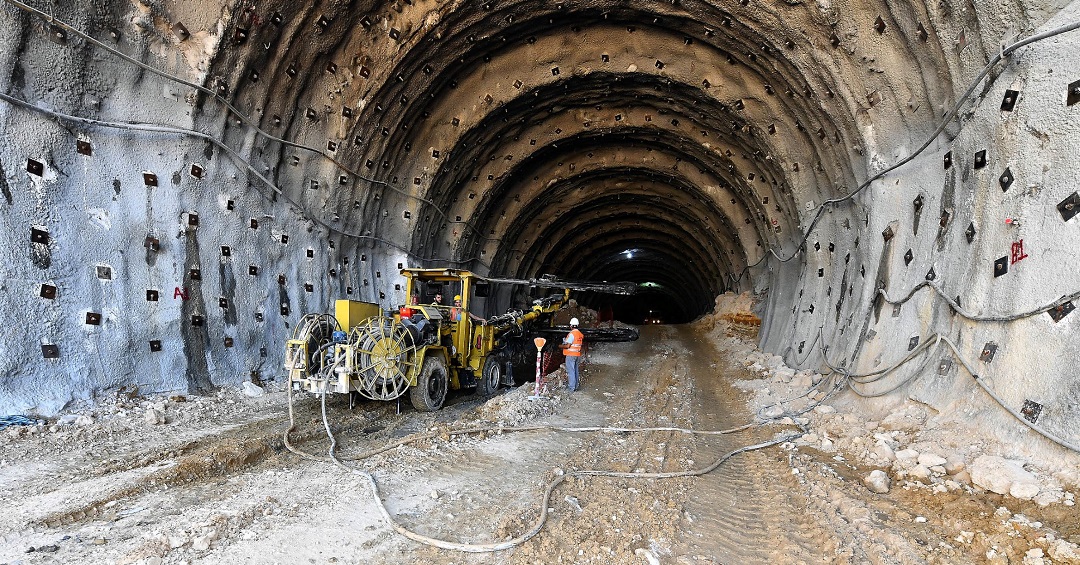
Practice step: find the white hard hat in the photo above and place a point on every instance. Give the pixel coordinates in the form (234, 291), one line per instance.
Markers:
(573, 321)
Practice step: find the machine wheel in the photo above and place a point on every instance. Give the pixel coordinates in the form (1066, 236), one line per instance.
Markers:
(492, 376)
(430, 391)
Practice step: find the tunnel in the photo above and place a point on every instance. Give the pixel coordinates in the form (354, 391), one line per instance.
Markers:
(183, 180)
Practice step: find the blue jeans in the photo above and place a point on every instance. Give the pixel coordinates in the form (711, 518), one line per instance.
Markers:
(571, 370)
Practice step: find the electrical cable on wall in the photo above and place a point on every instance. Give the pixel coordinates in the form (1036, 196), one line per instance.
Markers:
(235, 111)
(219, 144)
(997, 58)
(925, 346)
(974, 317)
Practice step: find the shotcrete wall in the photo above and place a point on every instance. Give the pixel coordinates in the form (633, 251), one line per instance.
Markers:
(170, 245)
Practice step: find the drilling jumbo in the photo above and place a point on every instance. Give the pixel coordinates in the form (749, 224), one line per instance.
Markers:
(381, 355)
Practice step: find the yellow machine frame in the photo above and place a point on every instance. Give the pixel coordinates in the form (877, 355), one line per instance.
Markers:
(391, 362)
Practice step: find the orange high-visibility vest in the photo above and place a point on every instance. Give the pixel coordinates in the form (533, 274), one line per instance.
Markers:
(575, 347)
(455, 314)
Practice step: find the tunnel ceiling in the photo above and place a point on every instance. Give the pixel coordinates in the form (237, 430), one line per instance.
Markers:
(535, 137)
(522, 138)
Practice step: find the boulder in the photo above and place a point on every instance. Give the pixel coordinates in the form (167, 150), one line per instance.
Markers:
(154, 417)
(998, 475)
(201, 543)
(1047, 497)
(785, 374)
(253, 390)
(1024, 491)
(954, 466)
(884, 452)
(931, 459)
(920, 473)
(907, 454)
(878, 481)
(1062, 551)
(774, 411)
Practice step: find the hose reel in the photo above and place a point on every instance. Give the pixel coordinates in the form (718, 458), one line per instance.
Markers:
(383, 357)
(306, 350)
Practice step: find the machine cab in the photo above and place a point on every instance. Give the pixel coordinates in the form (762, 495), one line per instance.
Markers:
(457, 331)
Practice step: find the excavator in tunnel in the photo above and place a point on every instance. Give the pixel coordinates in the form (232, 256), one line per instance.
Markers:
(426, 348)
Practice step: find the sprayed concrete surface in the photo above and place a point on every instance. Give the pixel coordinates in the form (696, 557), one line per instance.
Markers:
(170, 245)
(180, 182)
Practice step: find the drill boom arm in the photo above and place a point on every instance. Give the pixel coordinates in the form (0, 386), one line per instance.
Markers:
(624, 288)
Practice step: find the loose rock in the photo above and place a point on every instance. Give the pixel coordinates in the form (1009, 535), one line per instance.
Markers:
(153, 417)
(878, 481)
(931, 460)
(253, 390)
(1024, 491)
(997, 474)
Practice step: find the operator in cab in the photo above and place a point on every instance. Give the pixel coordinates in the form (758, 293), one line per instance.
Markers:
(456, 311)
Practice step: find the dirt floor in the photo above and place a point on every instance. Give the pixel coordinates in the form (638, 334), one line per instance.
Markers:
(215, 483)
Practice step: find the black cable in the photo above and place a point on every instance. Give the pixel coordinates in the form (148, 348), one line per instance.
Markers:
(233, 154)
(1005, 52)
(975, 318)
(235, 111)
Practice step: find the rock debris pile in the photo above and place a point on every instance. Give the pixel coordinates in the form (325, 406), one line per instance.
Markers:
(907, 447)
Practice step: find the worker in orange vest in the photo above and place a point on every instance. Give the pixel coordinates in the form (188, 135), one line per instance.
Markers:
(456, 311)
(571, 347)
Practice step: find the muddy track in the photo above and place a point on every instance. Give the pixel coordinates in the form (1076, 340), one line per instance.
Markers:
(235, 449)
(228, 492)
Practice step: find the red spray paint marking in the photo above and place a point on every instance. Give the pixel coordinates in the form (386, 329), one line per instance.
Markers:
(1017, 252)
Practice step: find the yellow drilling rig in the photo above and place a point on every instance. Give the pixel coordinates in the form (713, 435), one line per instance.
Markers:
(426, 348)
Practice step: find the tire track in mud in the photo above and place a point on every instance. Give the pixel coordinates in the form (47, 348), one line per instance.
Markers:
(749, 510)
(235, 449)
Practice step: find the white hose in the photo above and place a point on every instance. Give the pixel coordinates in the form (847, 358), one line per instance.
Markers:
(542, 519)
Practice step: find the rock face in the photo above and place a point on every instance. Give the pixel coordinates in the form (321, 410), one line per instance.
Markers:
(999, 475)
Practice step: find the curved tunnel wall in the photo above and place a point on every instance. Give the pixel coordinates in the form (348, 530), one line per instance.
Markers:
(522, 138)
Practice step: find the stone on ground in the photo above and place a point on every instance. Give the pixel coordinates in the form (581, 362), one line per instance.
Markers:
(878, 481)
(998, 475)
(1024, 491)
(154, 417)
(931, 460)
(253, 390)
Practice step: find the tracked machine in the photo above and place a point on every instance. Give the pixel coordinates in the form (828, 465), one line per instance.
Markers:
(427, 349)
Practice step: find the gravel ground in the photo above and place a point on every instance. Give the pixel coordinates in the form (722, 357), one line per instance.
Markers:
(208, 480)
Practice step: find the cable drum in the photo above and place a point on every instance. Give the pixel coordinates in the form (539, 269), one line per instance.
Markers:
(384, 355)
(317, 331)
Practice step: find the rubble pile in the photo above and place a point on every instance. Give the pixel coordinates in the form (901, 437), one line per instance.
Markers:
(907, 445)
(519, 405)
